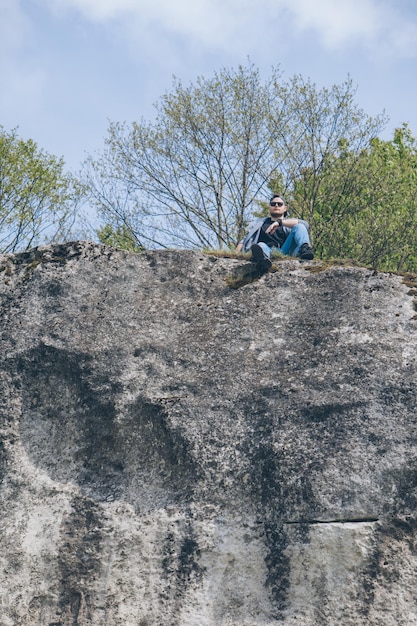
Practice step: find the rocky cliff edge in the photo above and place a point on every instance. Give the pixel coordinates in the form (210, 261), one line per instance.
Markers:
(183, 446)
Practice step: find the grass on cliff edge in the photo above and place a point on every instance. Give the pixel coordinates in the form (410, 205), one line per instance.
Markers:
(251, 274)
(232, 254)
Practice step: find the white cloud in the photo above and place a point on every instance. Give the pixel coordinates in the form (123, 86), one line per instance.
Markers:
(381, 27)
(97, 9)
(230, 24)
(209, 21)
(337, 23)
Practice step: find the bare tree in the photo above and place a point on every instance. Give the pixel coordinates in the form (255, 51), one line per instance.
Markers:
(326, 124)
(191, 177)
(195, 175)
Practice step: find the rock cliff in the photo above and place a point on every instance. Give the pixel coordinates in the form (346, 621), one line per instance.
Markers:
(181, 446)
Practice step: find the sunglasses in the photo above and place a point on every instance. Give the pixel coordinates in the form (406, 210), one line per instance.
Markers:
(276, 204)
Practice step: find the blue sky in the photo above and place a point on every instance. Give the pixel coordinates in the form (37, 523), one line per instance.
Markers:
(69, 66)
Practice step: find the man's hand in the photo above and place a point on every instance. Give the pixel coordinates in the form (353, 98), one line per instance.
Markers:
(273, 227)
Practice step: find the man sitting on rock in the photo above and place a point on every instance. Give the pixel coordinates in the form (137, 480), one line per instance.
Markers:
(286, 234)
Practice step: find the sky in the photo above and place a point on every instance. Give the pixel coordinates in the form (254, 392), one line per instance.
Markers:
(69, 67)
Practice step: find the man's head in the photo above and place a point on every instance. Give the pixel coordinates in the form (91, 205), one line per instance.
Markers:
(277, 207)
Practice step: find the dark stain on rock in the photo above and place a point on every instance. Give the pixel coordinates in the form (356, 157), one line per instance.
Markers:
(153, 446)
(181, 555)
(329, 412)
(279, 480)
(55, 289)
(280, 486)
(181, 568)
(70, 428)
(79, 561)
(188, 565)
(278, 566)
(404, 486)
(389, 539)
(3, 461)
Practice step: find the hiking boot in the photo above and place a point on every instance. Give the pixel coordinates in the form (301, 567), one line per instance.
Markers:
(260, 257)
(306, 252)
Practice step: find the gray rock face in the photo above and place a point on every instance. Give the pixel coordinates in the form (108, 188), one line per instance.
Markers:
(176, 452)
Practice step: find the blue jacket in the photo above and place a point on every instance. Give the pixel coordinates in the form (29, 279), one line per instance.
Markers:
(254, 231)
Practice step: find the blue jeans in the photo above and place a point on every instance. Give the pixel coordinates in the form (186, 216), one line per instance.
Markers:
(291, 246)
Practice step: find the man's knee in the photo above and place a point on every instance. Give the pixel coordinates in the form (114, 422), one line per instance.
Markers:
(301, 227)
